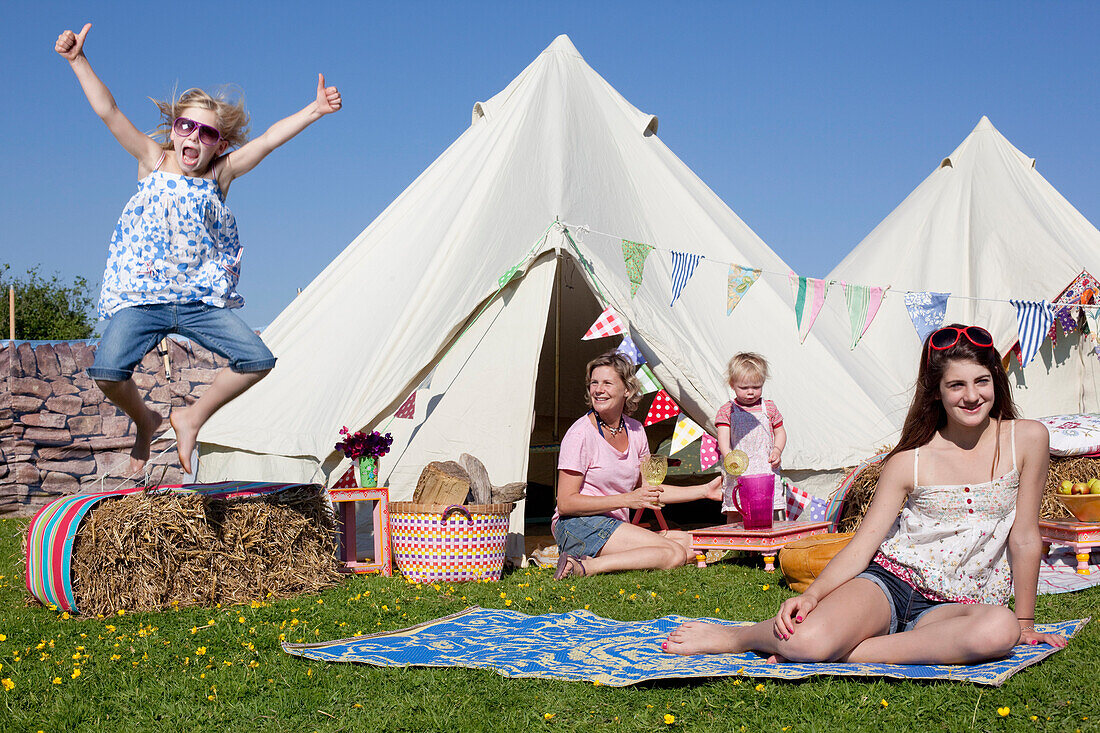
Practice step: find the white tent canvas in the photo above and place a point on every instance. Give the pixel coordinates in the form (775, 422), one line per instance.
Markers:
(414, 303)
(985, 227)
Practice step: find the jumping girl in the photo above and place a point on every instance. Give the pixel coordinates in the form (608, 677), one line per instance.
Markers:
(929, 586)
(174, 259)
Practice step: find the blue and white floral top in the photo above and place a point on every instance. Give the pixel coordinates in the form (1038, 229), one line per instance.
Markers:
(176, 242)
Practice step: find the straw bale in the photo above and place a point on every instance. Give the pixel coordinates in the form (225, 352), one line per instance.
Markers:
(147, 552)
(1074, 469)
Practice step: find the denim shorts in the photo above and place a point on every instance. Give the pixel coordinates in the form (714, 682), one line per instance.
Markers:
(133, 331)
(907, 605)
(581, 536)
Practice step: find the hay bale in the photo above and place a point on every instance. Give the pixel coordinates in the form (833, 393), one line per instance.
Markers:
(147, 552)
(1074, 469)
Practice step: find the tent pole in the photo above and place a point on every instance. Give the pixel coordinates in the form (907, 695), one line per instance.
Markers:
(557, 358)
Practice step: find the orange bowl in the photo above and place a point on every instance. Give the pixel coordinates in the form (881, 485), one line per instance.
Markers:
(1086, 507)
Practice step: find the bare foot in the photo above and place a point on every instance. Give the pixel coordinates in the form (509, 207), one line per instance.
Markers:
(186, 435)
(146, 429)
(696, 637)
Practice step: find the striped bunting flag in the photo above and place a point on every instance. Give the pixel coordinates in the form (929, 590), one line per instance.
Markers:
(647, 379)
(863, 303)
(1033, 320)
(809, 296)
(683, 266)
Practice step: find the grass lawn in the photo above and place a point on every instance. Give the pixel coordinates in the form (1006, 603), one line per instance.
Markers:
(222, 669)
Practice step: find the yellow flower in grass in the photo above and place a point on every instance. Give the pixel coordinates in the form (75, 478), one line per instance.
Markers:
(669, 719)
(548, 716)
(1003, 712)
(200, 651)
(65, 616)
(760, 687)
(56, 680)
(76, 673)
(883, 703)
(3, 637)
(765, 586)
(8, 684)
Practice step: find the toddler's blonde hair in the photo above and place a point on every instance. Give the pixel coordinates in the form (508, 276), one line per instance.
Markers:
(226, 102)
(746, 364)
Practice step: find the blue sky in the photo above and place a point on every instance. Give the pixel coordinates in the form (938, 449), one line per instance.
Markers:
(812, 121)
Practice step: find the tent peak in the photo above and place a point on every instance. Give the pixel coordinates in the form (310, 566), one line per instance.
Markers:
(984, 124)
(562, 44)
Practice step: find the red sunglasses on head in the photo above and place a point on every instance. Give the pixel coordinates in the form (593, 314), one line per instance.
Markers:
(948, 336)
(184, 126)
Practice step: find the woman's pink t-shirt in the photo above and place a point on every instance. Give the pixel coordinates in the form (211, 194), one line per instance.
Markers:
(606, 471)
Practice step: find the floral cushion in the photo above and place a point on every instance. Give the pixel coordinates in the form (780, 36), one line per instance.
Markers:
(1073, 435)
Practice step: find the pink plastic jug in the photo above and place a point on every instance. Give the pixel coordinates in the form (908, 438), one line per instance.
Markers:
(753, 497)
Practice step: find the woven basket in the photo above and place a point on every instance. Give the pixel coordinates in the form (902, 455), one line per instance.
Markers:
(434, 543)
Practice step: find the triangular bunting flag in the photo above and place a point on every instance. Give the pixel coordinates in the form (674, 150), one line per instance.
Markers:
(662, 409)
(708, 452)
(1082, 291)
(1033, 320)
(608, 324)
(683, 267)
(630, 351)
(684, 433)
(407, 409)
(926, 311)
(809, 296)
(863, 302)
(739, 281)
(347, 481)
(647, 379)
(634, 254)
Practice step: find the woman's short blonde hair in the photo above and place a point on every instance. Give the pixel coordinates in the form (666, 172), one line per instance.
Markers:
(747, 364)
(625, 368)
(226, 102)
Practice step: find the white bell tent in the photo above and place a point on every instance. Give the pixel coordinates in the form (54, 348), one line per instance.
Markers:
(551, 175)
(987, 228)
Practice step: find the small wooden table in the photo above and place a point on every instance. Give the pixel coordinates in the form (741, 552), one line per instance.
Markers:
(1083, 537)
(765, 541)
(344, 500)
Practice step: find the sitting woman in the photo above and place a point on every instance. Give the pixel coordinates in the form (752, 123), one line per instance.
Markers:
(931, 585)
(599, 482)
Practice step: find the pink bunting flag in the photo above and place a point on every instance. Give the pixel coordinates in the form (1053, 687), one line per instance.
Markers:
(809, 296)
(708, 452)
(863, 303)
(608, 324)
(662, 408)
(347, 481)
(408, 408)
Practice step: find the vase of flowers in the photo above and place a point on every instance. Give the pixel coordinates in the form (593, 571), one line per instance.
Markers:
(366, 449)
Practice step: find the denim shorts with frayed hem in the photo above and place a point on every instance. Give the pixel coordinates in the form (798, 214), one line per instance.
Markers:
(133, 331)
(907, 605)
(581, 536)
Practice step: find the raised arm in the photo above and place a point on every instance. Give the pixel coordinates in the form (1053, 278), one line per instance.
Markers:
(1024, 541)
(249, 155)
(71, 47)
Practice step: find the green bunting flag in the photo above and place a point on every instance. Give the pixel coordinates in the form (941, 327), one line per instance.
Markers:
(647, 379)
(634, 254)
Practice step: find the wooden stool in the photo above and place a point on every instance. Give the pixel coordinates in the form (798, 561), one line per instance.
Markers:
(765, 541)
(346, 500)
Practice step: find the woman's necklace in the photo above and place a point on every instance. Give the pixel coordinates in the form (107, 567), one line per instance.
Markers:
(600, 424)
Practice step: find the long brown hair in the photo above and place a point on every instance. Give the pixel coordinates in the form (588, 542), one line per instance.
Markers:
(926, 414)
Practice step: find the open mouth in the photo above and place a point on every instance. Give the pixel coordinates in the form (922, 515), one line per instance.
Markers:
(189, 155)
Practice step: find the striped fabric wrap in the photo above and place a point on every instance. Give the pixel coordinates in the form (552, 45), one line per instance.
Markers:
(50, 535)
(836, 501)
(433, 543)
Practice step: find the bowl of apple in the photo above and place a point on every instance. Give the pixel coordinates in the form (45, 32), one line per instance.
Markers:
(1082, 499)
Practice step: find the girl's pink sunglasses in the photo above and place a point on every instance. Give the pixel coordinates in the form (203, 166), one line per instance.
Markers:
(184, 126)
(948, 336)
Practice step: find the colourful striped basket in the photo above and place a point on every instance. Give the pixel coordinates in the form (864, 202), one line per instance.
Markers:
(433, 543)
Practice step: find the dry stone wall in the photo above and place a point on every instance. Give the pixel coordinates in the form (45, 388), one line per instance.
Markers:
(59, 434)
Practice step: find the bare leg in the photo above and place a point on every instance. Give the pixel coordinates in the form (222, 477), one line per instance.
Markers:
(949, 634)
(635, 548)
(187, 421)
(852, 613)
(125, 395)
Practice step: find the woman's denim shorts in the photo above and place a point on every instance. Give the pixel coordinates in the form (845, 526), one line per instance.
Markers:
(584, 536)
(133, 331)
(906, 604)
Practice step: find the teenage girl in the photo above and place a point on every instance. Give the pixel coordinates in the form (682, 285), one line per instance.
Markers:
(930, 586)
(174, 259)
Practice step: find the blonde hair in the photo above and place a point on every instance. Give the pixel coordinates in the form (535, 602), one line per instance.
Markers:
(747, 364)
(625, 368)
(226, 102)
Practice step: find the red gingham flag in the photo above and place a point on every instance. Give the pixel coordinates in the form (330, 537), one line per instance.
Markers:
(662, 408)
(708, 452)
(408, 408)
(347, 481)
(608, 324)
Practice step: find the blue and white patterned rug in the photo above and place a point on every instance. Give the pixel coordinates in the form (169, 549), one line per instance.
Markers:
(581, 646)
